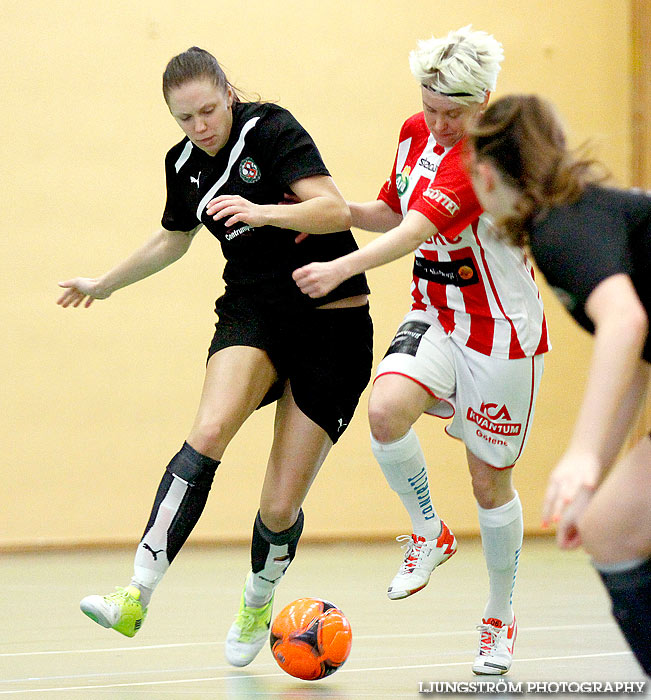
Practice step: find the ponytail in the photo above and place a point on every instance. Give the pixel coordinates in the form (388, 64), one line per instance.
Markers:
(522, 137)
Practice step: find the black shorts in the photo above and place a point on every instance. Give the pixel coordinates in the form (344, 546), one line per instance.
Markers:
(326, 354)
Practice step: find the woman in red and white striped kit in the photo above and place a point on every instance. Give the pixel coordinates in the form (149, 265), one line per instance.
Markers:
(470, 348)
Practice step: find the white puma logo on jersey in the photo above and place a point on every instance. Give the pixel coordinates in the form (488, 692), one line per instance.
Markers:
(195, 179)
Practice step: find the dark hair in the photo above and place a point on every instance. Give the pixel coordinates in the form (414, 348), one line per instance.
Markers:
(523, 138)
(193, 64)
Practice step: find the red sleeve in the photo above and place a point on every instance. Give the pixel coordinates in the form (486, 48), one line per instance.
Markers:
(389, 193)
(449, 202)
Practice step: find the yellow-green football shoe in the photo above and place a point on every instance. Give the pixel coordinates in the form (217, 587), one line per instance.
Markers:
(248, 633)
(120, 611)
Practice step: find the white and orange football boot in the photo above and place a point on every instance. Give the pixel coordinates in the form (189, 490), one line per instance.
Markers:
(420, 559)
(496, 642)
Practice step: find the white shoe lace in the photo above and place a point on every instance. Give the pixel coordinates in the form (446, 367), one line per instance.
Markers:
(489, 638)
(413, 551)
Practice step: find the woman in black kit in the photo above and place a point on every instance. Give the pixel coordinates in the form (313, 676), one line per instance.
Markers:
(237, 165)
(593, 244)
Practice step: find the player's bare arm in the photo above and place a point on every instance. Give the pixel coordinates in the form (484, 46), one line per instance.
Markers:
(621, 327)
(159, 251)
(376, 216)
(320, 208)
(317, 279)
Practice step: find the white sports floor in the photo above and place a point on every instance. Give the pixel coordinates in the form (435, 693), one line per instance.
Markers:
(49, 649)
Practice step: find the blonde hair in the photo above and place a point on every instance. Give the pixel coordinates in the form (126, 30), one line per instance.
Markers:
(462, 66)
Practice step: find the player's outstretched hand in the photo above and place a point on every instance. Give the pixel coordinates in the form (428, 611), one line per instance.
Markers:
(318, 278)
(80, 290)
(235, 209)
(568, 535)
(574, 477)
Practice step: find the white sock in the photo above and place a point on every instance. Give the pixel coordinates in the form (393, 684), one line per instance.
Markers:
(501, 536)
(151, 563)
(145, 593)
(405, 470)
(261, 585)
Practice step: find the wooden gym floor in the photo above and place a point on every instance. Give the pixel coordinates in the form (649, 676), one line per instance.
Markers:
(49, 649)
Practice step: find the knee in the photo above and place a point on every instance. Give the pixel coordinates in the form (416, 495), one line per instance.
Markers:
(279, 514)
(210, 438)
(386, 419)
(193, 467)
(489, 492)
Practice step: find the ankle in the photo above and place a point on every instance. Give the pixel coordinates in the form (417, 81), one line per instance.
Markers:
(254, 597)
(140, 592)
(430, 531)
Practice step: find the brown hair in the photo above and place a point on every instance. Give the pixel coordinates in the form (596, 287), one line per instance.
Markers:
(523, 138)
(193, 64)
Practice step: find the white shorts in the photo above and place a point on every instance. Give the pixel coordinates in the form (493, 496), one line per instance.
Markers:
(490, 400)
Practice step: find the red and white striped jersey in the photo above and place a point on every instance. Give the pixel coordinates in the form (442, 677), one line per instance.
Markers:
(480, 289)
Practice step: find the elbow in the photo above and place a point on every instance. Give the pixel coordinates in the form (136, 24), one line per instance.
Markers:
(639, 323)
(631, 322)
(344, 217)
(634, 320)
(355, 218)
(174, 245)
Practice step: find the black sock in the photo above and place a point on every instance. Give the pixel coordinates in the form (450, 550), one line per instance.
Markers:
(271, 554)
(178, 504)
(630, 593)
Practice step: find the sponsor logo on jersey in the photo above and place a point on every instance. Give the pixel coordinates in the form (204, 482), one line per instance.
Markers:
(432, 167)
(402, 180)
(493, 419)
(440, 239)
(249, 171)
(466, 272)
(443, 200)
(460, 273)
(195, 180)
(232, 233)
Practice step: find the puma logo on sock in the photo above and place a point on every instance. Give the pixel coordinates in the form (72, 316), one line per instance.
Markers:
(154, 553)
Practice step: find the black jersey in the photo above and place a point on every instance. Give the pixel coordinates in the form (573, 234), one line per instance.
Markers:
(605, 232)
(266, 152)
